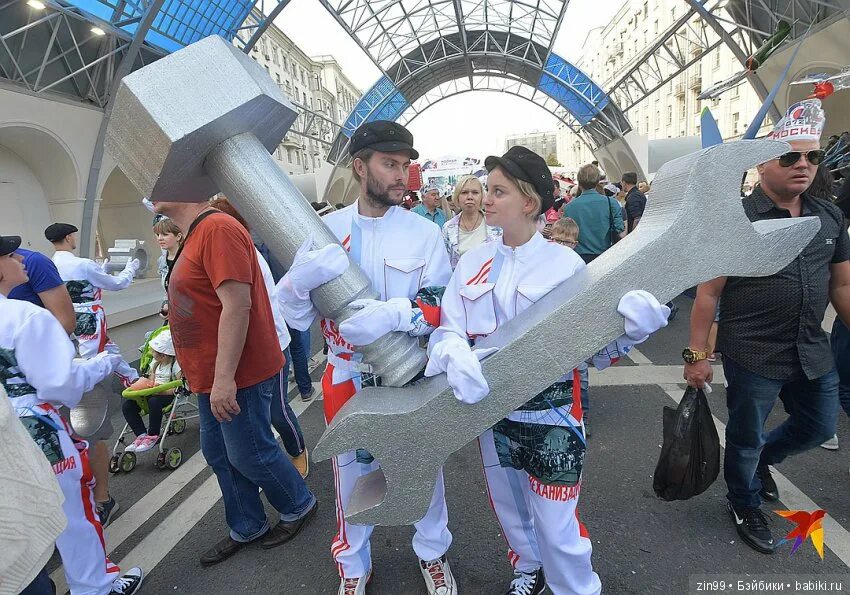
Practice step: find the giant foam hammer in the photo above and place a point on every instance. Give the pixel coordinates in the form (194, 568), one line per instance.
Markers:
(205, 118)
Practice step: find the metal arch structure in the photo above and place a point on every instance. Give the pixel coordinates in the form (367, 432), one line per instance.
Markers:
(741, 25)
(452, 46)
(80, 49)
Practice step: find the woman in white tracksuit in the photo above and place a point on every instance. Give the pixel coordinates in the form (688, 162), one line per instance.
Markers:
(39, 374)
(533, 458)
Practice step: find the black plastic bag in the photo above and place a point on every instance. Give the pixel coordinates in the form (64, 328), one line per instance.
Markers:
(690, 455)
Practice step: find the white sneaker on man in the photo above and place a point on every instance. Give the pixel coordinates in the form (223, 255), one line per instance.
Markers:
(831, 444)
(354, 586)
(128, 583)
(438, 576)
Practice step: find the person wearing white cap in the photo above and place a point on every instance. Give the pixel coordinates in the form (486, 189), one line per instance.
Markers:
(770, 331)
(39, 374)
(532, 459)
(164, 369)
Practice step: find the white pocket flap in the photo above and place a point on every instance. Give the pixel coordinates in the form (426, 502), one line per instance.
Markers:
(534, 292)
(405, 265)
(473, 292)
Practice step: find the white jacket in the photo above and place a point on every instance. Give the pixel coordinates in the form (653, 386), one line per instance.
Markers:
(474, 306)
(84, 278)
(279, 323)
(37, 362)
(400, 253)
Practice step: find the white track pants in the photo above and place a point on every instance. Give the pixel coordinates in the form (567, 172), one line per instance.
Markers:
(88, 570)
(540, 524)
(351, 549)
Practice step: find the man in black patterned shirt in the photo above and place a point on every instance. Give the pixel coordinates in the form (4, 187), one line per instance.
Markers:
(770, 331)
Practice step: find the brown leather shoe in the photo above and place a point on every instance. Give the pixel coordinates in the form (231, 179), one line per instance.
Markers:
(221, 551)
(302, 463)
(284, 531)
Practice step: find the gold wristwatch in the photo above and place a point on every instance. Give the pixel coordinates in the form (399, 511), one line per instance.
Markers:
(690, 356)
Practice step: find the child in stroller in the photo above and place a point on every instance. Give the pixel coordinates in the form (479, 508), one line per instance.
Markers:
(164, 373)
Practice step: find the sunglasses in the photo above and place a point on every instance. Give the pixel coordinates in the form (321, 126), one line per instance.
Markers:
(791, 157)
(569, 243)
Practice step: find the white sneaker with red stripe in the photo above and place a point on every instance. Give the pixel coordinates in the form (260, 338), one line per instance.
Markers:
(438, 576)
(354, 586)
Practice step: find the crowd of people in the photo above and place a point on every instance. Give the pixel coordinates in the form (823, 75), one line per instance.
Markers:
(235, 318)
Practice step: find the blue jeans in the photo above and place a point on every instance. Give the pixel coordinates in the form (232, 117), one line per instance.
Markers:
(283, 418)
(300, 350)
(40, 585)
(245, 457)
(840, 341)
(812, 407)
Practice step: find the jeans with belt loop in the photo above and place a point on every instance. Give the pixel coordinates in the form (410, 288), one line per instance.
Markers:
(245, 457)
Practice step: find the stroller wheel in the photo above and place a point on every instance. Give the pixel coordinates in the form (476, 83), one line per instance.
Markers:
(128, 461)
(173, 458)
(178, 426)
(160, 461)
(115, 463)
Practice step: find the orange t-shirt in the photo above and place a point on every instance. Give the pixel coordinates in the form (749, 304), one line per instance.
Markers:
(218, 250)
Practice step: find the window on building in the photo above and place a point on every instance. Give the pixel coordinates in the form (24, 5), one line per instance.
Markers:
(298, 157)
(655, 27)
(673, 13)
(304, 97)
(275, 55)
(736, 122)
(645, 9)
(669, 115)
(311, 102)
(682, 108)
(736, 92)
(717, 58)
(646, 125)
(278, 154)
(657, 119)
(277, 78)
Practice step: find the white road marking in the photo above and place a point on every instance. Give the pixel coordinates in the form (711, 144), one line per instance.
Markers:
(638, 357)
(835, 536)
(645, 374)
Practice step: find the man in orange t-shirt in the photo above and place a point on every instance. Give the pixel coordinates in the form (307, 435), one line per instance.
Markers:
(225, 339)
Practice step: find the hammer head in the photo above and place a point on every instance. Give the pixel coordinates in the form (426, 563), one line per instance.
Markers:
(168, 115)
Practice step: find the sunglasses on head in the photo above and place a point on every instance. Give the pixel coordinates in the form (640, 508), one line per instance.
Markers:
(791, 157)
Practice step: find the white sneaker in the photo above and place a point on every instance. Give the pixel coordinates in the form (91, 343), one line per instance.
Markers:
(136, 443)
(831, 444)
(438, 576)
(354, 586)
(129, 583)
(144, 444)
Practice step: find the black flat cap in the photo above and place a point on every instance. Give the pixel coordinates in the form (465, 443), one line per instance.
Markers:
(9, 244)
(525, 164)
(57, 231)
(383, 136)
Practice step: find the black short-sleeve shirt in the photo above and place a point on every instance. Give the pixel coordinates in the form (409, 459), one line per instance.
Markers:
(772, 325)
(635, 205)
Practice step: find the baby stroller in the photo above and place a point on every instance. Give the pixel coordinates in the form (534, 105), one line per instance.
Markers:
(183, 408)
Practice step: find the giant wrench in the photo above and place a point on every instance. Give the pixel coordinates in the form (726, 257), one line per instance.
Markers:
(694, 210)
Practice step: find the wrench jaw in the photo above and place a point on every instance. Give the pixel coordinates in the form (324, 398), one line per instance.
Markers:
(392, 495)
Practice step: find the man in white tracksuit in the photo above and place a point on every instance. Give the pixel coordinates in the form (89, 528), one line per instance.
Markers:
(404, 257)
(85, 280)
(532, 459)
(39, 374)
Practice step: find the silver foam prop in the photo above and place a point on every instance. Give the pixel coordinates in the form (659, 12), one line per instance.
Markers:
(694, 229)
(204, 119)
(91, 416)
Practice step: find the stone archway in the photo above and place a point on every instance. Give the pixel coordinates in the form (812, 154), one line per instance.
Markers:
(39, 183)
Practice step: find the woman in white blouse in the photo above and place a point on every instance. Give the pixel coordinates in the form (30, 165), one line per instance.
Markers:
(467, 229)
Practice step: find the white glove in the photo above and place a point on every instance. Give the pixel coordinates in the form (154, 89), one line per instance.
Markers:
(462, 366)
(643, 314)
(133, 265)
(104, 264)
(111, 361)
(375, 319)
(148, 204)
(312, 268)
